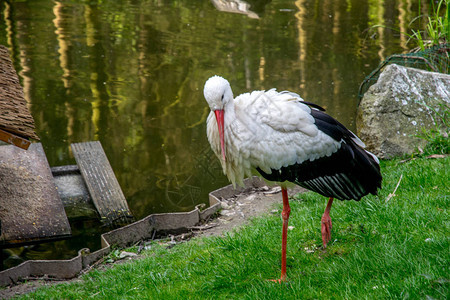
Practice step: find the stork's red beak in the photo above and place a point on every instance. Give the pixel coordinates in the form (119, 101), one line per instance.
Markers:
(219, 118)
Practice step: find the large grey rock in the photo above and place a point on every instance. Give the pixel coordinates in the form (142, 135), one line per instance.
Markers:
(395, 109)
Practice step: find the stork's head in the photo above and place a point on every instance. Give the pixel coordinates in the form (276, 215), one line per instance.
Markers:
(218, 93)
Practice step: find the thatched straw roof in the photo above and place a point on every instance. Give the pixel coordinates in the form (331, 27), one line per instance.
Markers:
(14, 114)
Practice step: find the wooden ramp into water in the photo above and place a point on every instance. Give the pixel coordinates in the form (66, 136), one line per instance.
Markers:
(101, 182)
(30, 207)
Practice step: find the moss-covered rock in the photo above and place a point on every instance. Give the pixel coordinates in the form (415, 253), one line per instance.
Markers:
(395, 109)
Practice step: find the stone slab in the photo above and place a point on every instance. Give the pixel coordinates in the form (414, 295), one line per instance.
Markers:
(30, 207)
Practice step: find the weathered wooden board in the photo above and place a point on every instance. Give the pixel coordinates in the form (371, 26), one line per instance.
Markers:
(101, 182)
(14, 139)
(30, 207)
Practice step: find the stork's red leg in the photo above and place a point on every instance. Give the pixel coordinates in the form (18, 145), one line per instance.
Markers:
(326, 223)
(285, 215)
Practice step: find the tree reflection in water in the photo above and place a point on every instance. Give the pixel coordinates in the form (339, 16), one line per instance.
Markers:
(131, 74)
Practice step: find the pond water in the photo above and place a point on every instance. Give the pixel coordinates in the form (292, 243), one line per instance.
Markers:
(130, 74)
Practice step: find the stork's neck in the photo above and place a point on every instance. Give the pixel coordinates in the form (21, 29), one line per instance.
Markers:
(229, 112)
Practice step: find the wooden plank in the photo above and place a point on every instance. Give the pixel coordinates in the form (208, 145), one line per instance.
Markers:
(30, 207)
(102, 184)
(14, 139)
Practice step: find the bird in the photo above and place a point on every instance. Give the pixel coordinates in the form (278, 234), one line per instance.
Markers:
(285, 140)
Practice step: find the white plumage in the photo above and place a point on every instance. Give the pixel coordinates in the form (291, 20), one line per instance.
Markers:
(285, 139)
(266, 129)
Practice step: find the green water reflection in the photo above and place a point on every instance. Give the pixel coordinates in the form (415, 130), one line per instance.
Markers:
(130, 74)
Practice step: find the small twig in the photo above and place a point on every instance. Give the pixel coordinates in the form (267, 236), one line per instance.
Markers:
(393, 193)
(274, 190)
(406, 160)
(204, 227)
(436, 156)
(94, 265)
(93, 295)
(44, 278)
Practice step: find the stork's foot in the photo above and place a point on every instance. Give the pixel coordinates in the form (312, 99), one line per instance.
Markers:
(326, 229)
(281, 280)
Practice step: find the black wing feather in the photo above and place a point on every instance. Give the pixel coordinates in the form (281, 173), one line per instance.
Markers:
(349, 173)
(313, 105)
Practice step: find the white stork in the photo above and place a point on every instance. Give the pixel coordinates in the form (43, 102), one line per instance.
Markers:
(286, 139)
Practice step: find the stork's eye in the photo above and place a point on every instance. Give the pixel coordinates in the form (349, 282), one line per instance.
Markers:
(222, 96)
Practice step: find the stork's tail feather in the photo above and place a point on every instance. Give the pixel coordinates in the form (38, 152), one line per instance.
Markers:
(349, 173)
(348, 177)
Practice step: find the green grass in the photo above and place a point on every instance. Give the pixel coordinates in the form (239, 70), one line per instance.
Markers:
(437, 137)
(436, 29)
(380, 249)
